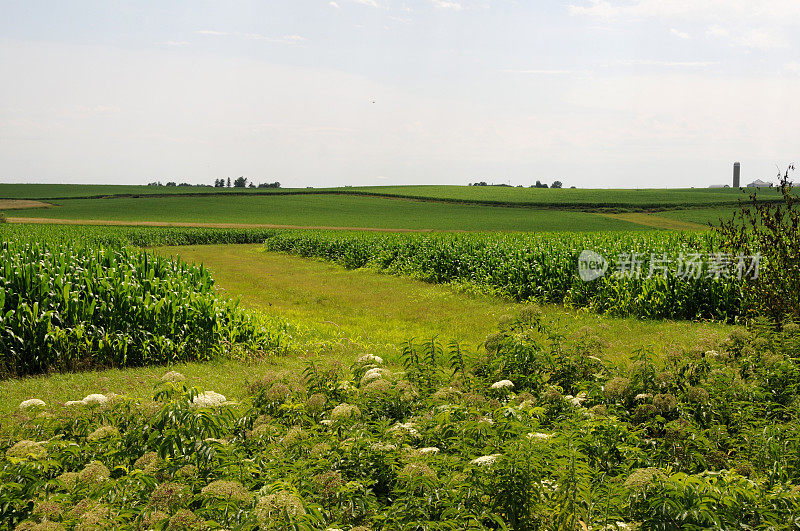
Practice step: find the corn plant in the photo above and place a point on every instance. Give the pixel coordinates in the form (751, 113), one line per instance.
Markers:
(544, 267)
(82, 305)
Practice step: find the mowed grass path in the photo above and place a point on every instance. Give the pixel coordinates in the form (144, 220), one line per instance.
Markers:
(700, 216)
(328, 211)
(336, 314)
(368, 310)
(657, 222)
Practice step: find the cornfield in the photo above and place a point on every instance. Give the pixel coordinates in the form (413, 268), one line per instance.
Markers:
(542, 267)
(68, 304)
(110, 236)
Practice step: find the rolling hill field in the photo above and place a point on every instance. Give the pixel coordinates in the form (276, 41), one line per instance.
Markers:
(582, 198)
(407, 361)
(326, 211)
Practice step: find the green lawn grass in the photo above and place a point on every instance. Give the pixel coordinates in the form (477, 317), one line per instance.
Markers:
(327, 211)
(336, 314)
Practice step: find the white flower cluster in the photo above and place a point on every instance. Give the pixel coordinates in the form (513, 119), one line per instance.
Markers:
(208, 399)
(643, 396)
(383, 447)
(344, 411)
(407, 427)
(539, 435)
(95, 399)
(576, 400)
(370, 359)
(503, 384)
(485, 460)
(429, 450)
(32, 403)
(373, 374)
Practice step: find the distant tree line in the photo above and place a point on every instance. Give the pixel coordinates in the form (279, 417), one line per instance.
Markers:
(539, 184)
(241, 182)
(173, 183)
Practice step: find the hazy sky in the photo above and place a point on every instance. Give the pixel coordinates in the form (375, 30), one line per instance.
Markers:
(595, 93)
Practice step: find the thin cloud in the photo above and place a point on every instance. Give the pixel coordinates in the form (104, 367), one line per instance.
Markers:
(333, 4)
(543, 72)
(774, 10)
(717, 31)
(177, 44)
(448, 4)
(680, 34)
(285, 39)
(762, 39)
(756, 38)
(96, 109)
(653, 62)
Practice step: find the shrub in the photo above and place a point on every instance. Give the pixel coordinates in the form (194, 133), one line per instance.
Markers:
(169, 496)
(772, 232)
(279, 510)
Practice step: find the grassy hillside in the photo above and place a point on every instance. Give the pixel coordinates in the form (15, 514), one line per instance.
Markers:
(630, 199)
(62, 191)
(327, 211)
(702, 216)
(585, 198)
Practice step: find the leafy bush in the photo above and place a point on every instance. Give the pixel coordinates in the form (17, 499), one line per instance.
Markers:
(772, 231)
(716, 449)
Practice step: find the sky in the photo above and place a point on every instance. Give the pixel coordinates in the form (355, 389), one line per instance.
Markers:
(594, 93)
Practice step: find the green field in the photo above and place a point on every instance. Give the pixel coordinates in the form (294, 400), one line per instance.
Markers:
(330, 319)
(364, 380)
(443, 208)
(601, 198)
(63, 191)
(703, 216)
(627, 199)
(326, 211)
(537, 416)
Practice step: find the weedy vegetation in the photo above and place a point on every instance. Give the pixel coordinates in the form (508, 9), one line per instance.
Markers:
(770, 230)
(530, 432)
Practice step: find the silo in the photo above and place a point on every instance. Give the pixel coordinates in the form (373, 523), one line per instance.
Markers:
(736, 175)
